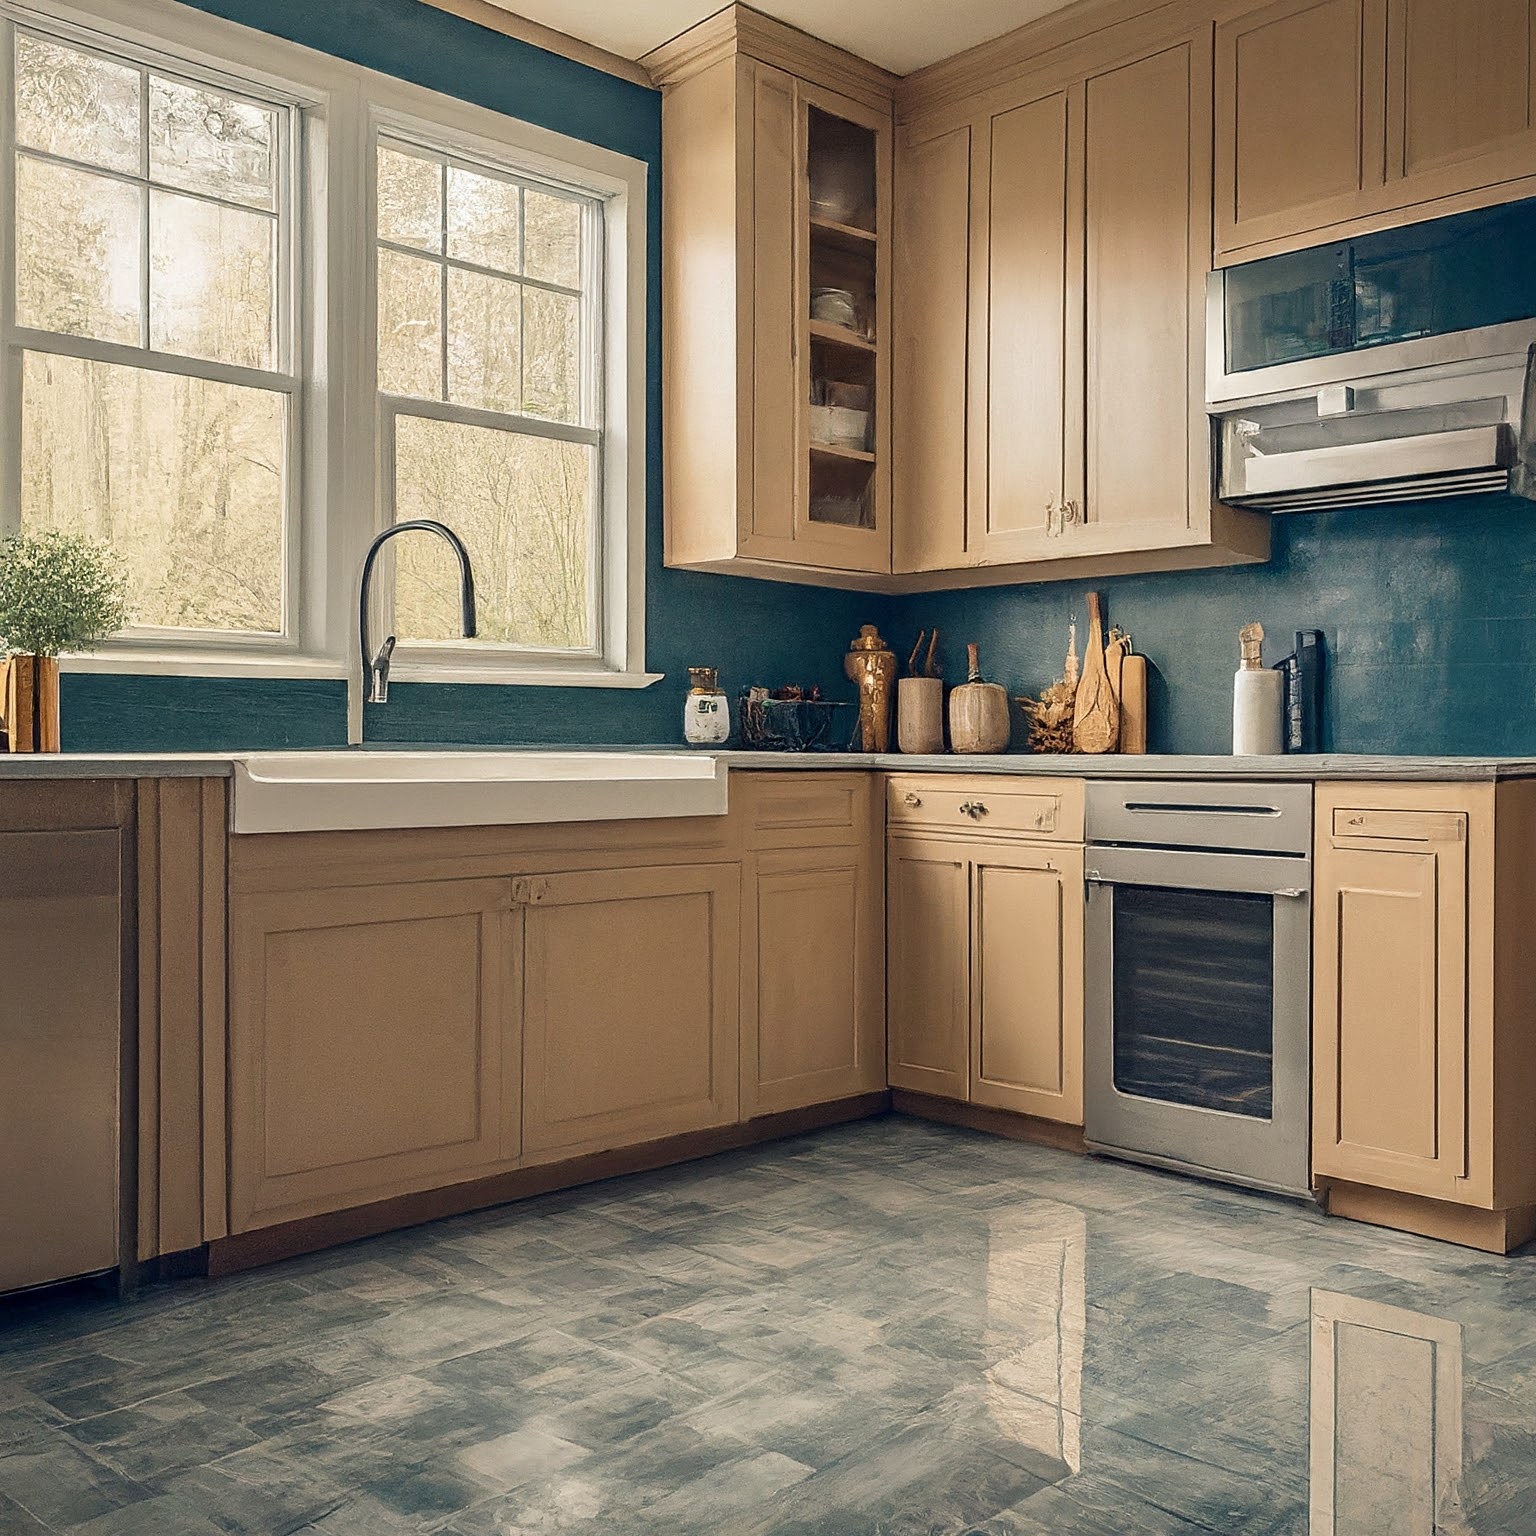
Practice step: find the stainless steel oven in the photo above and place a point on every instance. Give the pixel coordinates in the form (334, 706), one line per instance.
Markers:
(1198, 997)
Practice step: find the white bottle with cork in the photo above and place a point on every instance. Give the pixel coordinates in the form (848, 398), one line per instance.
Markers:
(1258, 700)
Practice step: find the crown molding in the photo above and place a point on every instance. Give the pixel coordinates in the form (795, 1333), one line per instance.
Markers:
(484, 14)
(738, 30)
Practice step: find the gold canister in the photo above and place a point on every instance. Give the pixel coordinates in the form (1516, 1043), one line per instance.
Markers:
(871, 664)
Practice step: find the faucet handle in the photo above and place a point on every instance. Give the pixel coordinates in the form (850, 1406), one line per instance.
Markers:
(378, 673)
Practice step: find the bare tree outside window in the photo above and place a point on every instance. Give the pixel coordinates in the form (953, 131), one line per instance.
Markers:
(156, 402)
(489, 365)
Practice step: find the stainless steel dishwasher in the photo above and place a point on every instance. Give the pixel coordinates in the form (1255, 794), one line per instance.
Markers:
(1198, 938)
(60, 1004)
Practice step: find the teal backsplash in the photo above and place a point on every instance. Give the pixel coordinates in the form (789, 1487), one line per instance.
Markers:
(1426, 608)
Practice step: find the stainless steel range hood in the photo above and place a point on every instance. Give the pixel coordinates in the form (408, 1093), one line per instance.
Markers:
(1449, 425)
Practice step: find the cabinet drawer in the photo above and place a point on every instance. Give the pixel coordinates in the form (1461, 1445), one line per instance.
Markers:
(1036, 808)
(1400, 826)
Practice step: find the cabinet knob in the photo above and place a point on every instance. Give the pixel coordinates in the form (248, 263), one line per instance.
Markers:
(910, 799)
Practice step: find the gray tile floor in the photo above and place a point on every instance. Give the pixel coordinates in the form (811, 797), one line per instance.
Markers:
(886, 1328)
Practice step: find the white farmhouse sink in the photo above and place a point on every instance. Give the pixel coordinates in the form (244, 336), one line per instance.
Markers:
(353, 791)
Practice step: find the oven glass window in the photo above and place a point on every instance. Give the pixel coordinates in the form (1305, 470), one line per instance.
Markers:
(1194, 998)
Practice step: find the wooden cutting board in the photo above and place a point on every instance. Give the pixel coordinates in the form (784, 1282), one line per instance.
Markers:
(1096, 717)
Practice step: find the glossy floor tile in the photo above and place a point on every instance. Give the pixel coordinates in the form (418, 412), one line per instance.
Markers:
(889, 1328)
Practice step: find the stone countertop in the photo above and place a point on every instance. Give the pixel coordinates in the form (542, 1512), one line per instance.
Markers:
(1333, 766)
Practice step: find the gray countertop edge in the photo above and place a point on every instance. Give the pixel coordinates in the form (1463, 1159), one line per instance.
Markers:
(1341, 766)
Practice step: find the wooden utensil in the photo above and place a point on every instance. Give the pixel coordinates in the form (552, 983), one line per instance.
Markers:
(1133, 704)
(1096, 717)
(978, 712)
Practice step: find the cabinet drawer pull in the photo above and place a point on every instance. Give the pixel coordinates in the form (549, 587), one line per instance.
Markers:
(973, 808)
(910, 799)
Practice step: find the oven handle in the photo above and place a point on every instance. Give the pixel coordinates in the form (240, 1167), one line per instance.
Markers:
(1283, 877)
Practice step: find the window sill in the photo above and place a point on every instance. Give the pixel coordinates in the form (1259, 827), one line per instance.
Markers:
(224, 664)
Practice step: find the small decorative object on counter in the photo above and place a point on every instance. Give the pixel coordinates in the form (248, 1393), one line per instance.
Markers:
(58, 592)
(1133, 703)
(1302, 672)
(871, 665)
(793, 720)
(1258, 701)
(978, 711)
(1050, 716)
(706, 711)
(1096, 710)
(920, 702)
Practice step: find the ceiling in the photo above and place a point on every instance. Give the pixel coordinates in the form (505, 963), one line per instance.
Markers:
(901, 35)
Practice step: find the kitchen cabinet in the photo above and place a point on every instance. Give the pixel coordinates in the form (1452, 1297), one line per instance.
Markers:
(813, 940)
(1423, 1046)
(373, 1043)
(630, 1006)
(1050, 412)
(985, 915)
(778, 189)
(1338, 115)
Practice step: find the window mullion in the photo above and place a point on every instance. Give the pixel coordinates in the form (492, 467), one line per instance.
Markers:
(145, 296)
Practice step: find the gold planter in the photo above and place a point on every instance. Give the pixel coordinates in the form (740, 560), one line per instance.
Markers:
(29, 702)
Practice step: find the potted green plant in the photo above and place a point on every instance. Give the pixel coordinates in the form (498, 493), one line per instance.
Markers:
(58, 592)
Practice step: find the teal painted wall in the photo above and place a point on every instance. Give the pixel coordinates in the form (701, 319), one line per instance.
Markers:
(1426, 609)
(754, 631)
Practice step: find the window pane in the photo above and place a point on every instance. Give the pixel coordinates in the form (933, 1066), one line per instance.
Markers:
(483, 220)
(522, 505)
(552, 252)
(210, 143)
(484, 350)
(182, 476)
(73, 104)
(210, 280)
(410, 200)
(410, 326)
(77, 252)
(551, 355)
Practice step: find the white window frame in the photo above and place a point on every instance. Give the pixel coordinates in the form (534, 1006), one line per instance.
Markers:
(339, 501)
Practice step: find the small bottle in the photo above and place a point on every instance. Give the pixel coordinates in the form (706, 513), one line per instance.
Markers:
(1258, 700)
(706, 712)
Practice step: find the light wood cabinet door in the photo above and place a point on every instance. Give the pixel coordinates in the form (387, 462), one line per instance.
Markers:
(812, 983)
(1027, 406)
(369, 1032)
(1300, 118)
(1146, 253)
(1461, 89)
(1390, 1010)
(1026, 1014)
(932, 357)
(630, 1006)
(928, 966)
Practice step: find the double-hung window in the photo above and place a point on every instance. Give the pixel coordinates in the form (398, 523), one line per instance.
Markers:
(490, 370)
(256, 305)
(151, 351)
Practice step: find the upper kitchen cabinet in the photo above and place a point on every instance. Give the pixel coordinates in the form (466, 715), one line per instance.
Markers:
(1053, 238)
(776, 304)
(1338, 115)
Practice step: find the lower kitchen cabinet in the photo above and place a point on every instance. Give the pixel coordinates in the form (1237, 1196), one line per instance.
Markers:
(985, 934)
(928, 974)
(1026, 1016)
(630, 1006)
(813, 940)
(373, 1043)
(1424, 1006)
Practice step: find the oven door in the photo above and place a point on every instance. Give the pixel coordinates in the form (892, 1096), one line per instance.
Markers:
(1198, 987)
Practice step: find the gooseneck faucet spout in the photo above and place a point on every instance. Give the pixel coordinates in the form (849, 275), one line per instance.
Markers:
(375, 667)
